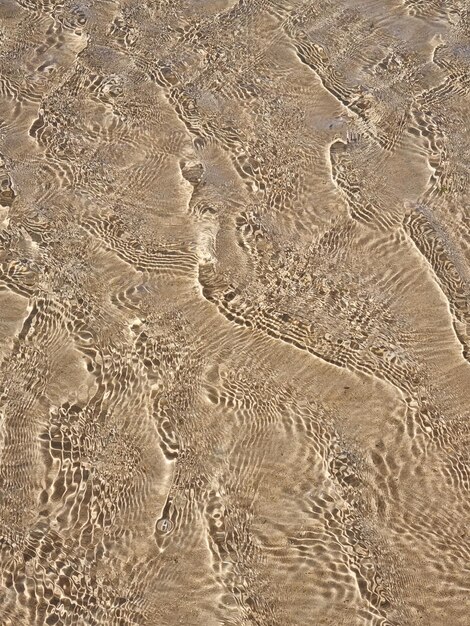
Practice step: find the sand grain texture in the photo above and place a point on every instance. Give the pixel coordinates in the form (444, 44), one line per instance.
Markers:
(234, 312)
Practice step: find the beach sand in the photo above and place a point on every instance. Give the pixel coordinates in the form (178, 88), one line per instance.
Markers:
(234, 312)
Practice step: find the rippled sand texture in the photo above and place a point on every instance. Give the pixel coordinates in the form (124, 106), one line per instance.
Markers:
(234, 312)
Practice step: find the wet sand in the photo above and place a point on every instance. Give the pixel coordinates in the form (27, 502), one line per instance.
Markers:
(234, 313)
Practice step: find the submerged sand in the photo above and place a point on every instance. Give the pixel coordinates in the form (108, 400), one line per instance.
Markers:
(234, 312)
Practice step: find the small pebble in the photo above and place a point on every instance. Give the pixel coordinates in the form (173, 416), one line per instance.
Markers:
(164, 525)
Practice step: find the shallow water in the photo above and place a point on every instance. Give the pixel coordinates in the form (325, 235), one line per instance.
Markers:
(234, 313)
